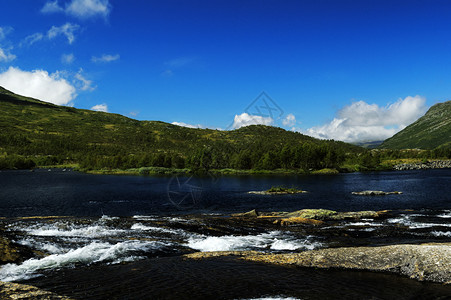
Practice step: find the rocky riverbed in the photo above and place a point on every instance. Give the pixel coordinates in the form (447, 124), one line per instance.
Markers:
(59, 255)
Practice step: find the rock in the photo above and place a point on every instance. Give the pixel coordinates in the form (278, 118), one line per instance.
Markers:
(317, 214)
(9, 290)
(250, 214)
(309, 216)
(297, 220)
(426, 262)
(434, 164)
(8, 252)
(375, 193)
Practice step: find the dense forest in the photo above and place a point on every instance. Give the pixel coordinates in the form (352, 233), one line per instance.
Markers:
(35, 133)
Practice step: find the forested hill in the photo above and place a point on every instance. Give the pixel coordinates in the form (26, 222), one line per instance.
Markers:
(34, 132)
(433, 130)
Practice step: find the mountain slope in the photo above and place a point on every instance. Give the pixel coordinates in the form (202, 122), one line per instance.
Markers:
(50, 134)
(429, 132)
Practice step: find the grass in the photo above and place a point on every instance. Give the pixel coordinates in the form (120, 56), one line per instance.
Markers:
(282, 189)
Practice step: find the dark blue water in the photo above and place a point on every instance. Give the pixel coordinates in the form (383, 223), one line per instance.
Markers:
(25, 193)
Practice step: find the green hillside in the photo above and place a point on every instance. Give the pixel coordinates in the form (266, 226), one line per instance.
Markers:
(431, 131)
(34, 132)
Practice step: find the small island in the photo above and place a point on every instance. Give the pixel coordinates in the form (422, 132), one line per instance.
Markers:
(278, 190)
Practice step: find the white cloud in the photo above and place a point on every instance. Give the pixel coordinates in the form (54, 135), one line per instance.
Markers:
(100, 107)
(167, 73)
(6, 56)
(4, 31)
(245, 120)
(33, 38)
(82, 9)
(67, 58)
(105, 58)
(38, 84)
(187, 125)
(180, 62)
(67, 29)
(51, 7)
(362, 122)
(289, 120)
(82, 83)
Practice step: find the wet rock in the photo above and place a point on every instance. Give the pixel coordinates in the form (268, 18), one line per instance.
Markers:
(297, 220)
(250, 214)
(9, 290)
(375, 193)
(305, 216)
(8, 252)
(317, 214)
(426, 262)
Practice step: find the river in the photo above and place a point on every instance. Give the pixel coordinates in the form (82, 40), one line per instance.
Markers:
(123, 237)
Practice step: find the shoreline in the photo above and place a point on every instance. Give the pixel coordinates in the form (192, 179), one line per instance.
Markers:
(398, 165)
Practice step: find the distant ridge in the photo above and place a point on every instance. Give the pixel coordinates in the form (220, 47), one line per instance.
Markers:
(50, 134)
(433, 130)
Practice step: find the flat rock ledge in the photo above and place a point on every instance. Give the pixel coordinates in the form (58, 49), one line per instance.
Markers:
(375, 193)
(307, 216)
(9, 290)
(425, 262)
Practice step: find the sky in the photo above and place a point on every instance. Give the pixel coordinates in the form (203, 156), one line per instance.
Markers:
(336, 69)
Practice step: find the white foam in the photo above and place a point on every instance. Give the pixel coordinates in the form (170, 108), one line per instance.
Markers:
(274, 240)
(92, 253)
(146, 218)
(92, 231)
(446, 215)
(142, 227)
(441, 233)
(157, 218)
(46, 247)
(274, 298)
(364, 224)
(406, 221)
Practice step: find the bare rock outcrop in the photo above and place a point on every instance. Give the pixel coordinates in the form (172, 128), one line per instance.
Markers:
(425, 262)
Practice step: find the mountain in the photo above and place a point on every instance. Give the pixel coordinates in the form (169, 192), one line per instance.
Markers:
(433, 130)
(49, 134)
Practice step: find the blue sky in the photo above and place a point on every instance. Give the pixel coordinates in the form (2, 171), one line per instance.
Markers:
(348, 70)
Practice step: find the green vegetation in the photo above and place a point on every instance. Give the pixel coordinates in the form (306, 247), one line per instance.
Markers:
(37, 134)
(326, 171)
(431, 131)
(284, 190)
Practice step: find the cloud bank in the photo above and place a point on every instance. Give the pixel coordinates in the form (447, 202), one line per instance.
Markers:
(82, 9)
(363, 122)
(246, 119)
(38, 84)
